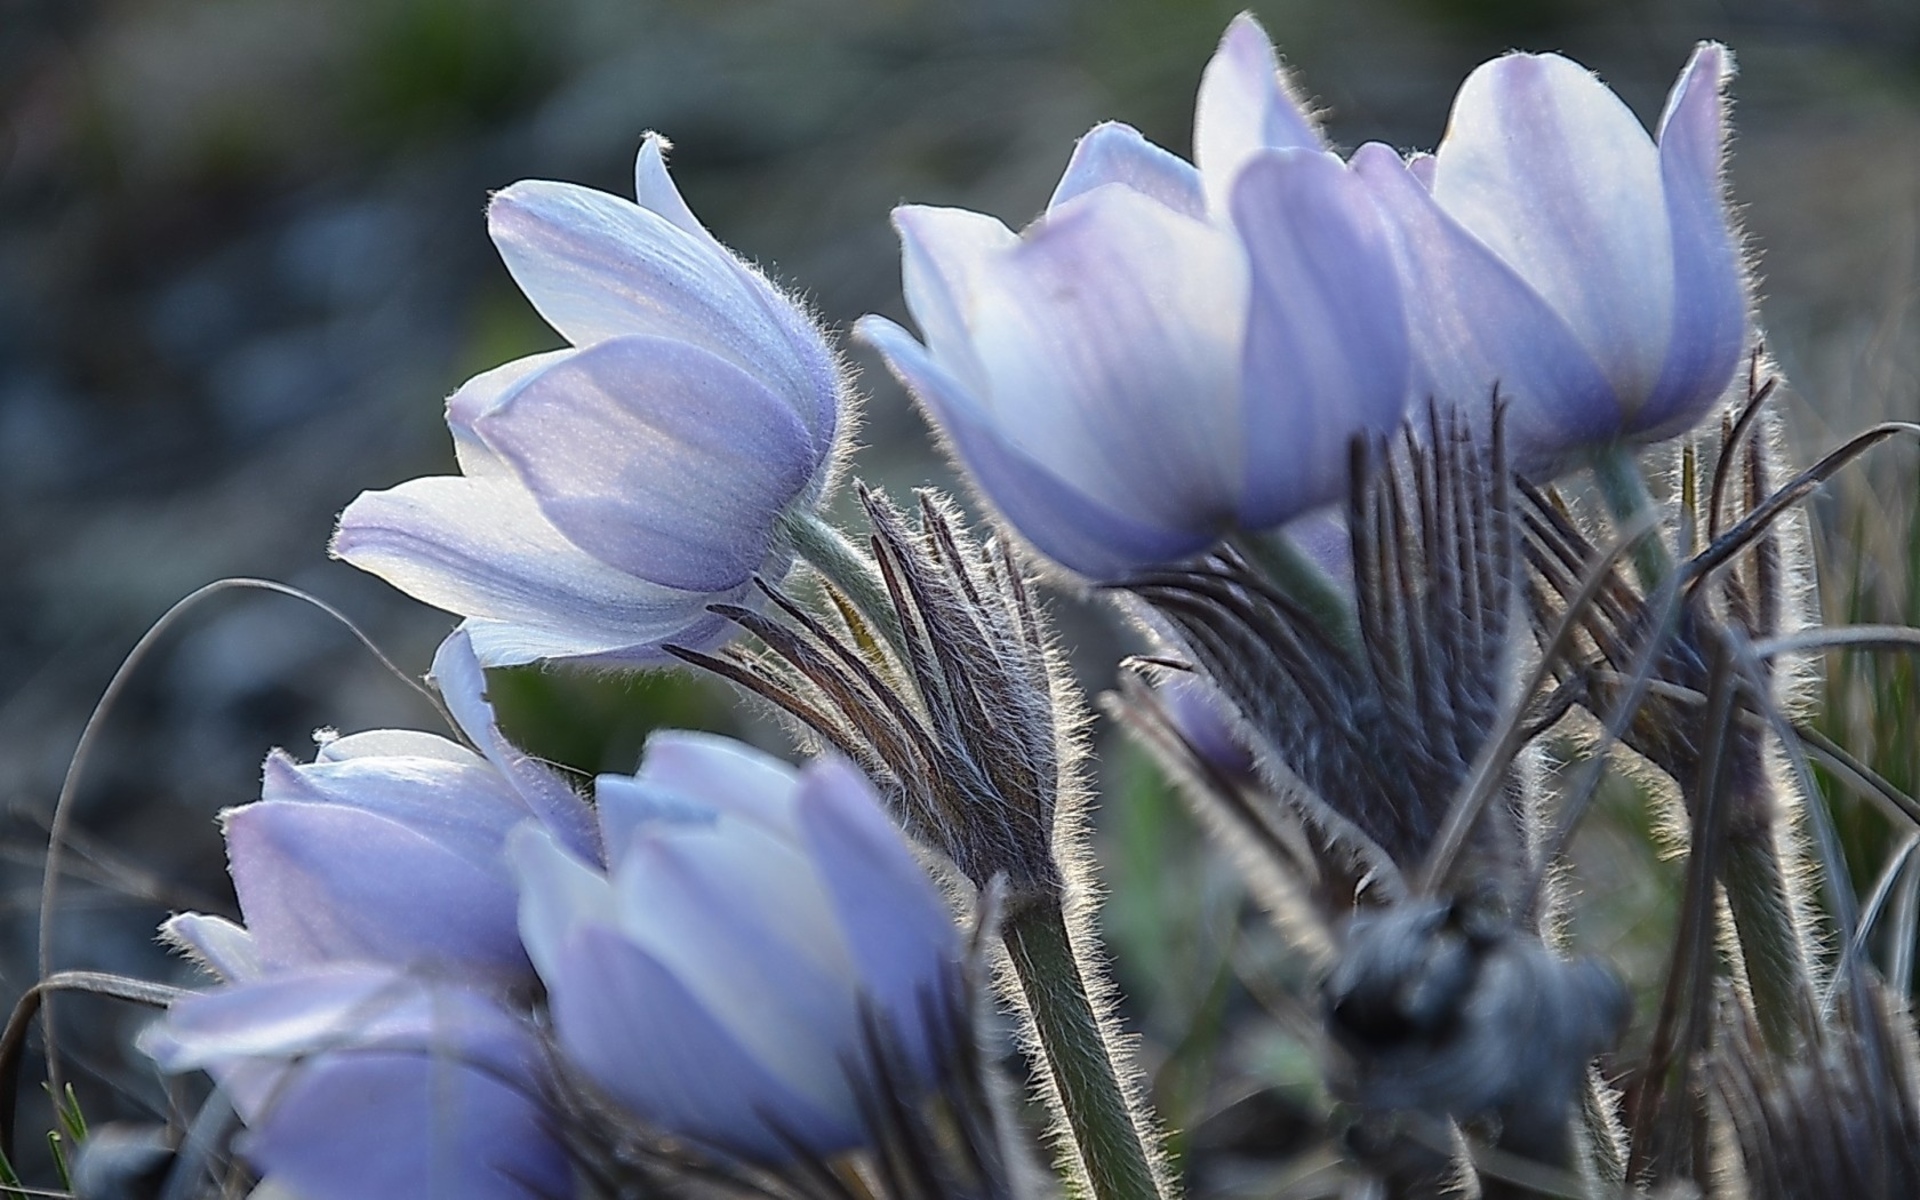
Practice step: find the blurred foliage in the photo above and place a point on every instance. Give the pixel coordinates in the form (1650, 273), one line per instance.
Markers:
(430, 69)
(597, 723)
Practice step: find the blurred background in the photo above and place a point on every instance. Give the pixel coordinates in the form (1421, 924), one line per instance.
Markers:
(243, 260)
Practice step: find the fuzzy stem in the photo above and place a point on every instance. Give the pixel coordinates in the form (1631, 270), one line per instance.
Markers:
(1303, 581)
(1625, 491)
(1757, 894)
(1763, 921)
(827, 550)
(1092, 1101)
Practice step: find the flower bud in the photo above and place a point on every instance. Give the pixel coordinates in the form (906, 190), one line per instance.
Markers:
(714, 980)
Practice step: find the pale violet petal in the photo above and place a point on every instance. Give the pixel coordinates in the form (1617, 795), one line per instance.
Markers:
(559, 896)
(541, 791)
(656, 192)
(476, 397)
(1061, 522)
(218, 944)
(1112, 153)
(1547, 167)
(1326, 354)
(722, 774)
(659, 458)
(1710, 304)
(504, 644)
(466, 809)
(1476, 325)
(657, 1049)
(899, 931)
(1246, 104)
(396, 743)
(1107, 340)
(739, 916)
(482, 548)
(597, 267)
(626, 805)
(322, 882)
(940, 253)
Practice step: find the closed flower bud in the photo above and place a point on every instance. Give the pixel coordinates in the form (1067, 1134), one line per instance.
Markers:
(715, 979)
(611, 491)
(1168, 353)
(1554, 250)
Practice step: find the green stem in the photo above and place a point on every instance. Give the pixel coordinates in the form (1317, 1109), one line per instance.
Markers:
(1303, 581)
(1757, 888)
(1625, 491)
(1092, 1103)
(853, 573)
(1763, 921)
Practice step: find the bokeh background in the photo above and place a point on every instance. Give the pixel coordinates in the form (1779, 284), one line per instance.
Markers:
(243, 259)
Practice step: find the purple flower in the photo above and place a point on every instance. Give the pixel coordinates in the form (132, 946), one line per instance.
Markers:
(1550, 247)
(366, 1082)
(1169, 352)
(711, 980)
(389, 848)
(611, 491)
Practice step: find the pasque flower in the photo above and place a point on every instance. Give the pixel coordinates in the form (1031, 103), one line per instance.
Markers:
(712, 979)
(368, 1082)
(389, 848)
(1169, 352)
(362, 1036)
(1553, 249)
(610, 491)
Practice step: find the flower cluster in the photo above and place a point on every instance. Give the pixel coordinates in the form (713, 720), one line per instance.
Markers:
(438, 961)
(488, 985)
(1175, 351)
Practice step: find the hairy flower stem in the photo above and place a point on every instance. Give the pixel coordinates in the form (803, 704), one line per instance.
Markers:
(1303, 581)
(828, 551)
(1757, 887)
(1074, 1050)
(1776, 958)
(1625, 491)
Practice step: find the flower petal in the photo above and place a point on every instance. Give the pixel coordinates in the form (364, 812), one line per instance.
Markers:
(503, 644)
(739, 916)
(1106, 341)
(1326, 353)
(322, 882)
(624, 1018)
(559, 895)
(1068, 527)
(433, 1088)
(599, 267)
(724, 775)
(1709, 280)
(1549, 169)
(1476, 324)
(1246, 104)
(396, 743)
(482, 548)
(899, 932)
(218, 944)
(657, 457)
(465, 809)
(1112, 153)
(463, 685)
(476, 398)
